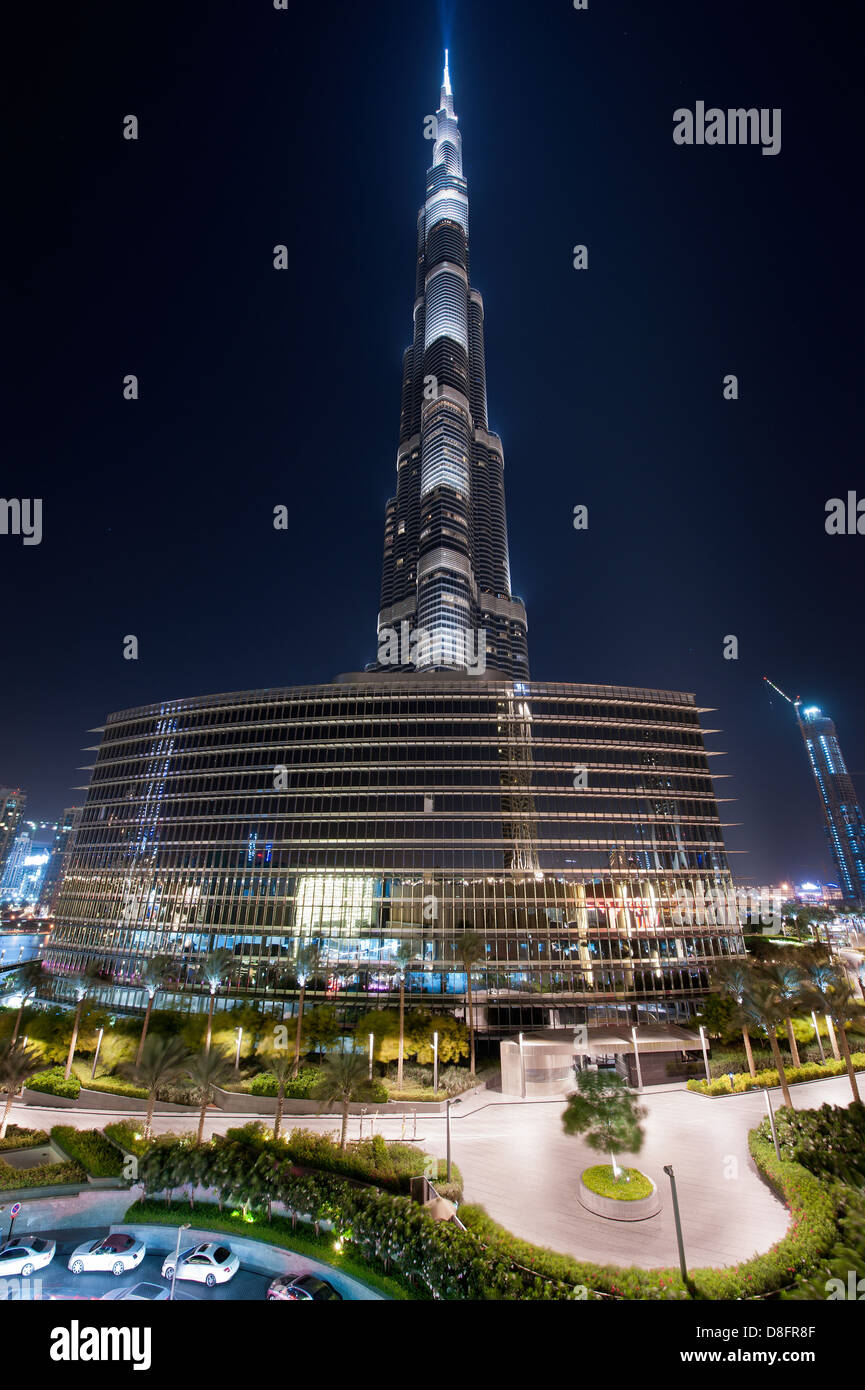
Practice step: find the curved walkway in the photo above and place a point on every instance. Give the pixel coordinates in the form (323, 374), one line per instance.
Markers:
(518, 1163)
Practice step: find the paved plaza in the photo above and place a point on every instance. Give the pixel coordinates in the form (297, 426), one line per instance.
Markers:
(518, 1163)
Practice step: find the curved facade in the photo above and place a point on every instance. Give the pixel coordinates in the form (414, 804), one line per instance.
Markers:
(565, 823)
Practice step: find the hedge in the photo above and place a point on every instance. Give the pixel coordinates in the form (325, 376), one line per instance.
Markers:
(54, 1083)
(17, 1138)
(743, 1081)
(128, 1137)
(45, 1175)
(89, 1147)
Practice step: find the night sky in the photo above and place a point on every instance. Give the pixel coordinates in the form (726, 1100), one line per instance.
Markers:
(258, 387)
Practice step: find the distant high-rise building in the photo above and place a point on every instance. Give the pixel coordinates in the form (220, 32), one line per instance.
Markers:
(15, 868)
(64, 836)
(845, 824)
(12, 803)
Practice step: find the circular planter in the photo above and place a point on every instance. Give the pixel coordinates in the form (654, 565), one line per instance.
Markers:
(615, 1210)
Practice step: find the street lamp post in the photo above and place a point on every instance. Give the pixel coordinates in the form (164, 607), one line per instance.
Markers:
(522, 1069)
(705, 1053)
(371, 1049)
(435, 1063)
(448, 1103)
(239, 1032)
(180, 1230)
(96, 1053)
(668, 1169)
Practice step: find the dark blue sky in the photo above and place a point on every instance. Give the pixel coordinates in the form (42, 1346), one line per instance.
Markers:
(305, 127)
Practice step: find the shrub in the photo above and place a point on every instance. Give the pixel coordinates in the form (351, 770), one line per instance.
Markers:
(742, 1081)
(128, 1137)
(17, 1138)
(631, 1186)
(300, 1088)
(54, 1083)
(829, 1140)
(45, 1175)
(89, 1147)
(116, 1086)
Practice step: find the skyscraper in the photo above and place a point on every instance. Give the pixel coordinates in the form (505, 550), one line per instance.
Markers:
(845, 825)
(382, 815)
(446, 573)
(12, 803)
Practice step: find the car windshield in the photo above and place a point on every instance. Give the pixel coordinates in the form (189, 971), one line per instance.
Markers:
(221, 1253)
(147, 1291)
(38, 1245)
(310, 1284)
(187, 1254)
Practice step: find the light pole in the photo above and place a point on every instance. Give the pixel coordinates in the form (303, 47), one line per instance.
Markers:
(705, 1053)
(239, 1032)
(772, 1122)
(435, 1063)
(668, 1169)
(522, 1070)
(96, 1053)
(637, 1060)
(451, 1100)
(817, 1035)
(180, 1230)
(371, 1049)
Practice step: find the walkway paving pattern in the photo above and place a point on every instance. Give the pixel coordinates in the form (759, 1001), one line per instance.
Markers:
(518, 1163)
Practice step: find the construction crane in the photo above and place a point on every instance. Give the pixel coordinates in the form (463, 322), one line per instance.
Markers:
(795, 703)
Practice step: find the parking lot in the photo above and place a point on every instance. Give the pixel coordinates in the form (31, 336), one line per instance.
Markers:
(55, 1281)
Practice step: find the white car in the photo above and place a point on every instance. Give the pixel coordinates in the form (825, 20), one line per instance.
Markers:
(145, 1293)
(115, 1253)
(207, 1263)
(25, 1255)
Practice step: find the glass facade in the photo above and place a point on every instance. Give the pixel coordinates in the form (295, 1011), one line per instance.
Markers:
(564, 823)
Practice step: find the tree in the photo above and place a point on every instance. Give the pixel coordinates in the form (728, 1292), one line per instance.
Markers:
(829, 991)
(764, 1003)
(305, 966)
(161, 1060)
(205, 1071)
(453, 1037)
(282, 1068)
(405, 957)
(152, 978)
(344, 1078)
(469, 950)
(17, 1065)
(80, 985)
(25, 982)
(787, 980)
(321, 1027)
(384, 1026)
(607, 1113)
(735, 977)
(214, 971)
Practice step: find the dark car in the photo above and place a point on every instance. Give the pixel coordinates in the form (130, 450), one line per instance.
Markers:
(302, 1286)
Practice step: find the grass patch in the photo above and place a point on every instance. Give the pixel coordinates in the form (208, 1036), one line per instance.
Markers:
(300, 1240)
(89, 1147)
(630, 1186)
(17, 1138)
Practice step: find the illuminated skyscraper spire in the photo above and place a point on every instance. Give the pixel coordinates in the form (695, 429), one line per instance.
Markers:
(446, 570)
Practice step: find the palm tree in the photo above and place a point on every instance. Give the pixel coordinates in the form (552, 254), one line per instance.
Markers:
(17, 1065)
(768, 1008)
(161, 1060)
(80, 985)
(469, 950)
(214, 969)
(283, 1069)
(829, 991)
(344, 1078)
(205, 1071)
(735, 978)
(787, 979)
(152, 978)
(405, 956)
(305, 966)
(26, 981)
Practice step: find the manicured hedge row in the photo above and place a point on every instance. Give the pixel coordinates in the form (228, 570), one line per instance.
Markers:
(53, 1083)
(128, 1137)
(89, 1147)
(45, 1176)
(742, 1081)
(17, 1138)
